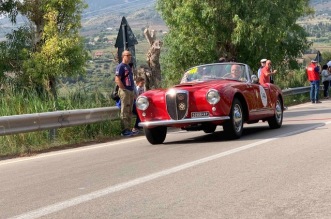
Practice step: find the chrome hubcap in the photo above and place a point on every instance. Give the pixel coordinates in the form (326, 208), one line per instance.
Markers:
(237, 118)
(279, 111)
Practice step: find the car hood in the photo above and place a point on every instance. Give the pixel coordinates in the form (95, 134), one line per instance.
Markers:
(209, 84)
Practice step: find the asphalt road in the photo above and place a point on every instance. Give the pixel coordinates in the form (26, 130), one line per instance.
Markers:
(283, 173)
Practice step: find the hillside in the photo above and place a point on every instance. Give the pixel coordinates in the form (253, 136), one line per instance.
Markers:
(102, 14)
(321, 6)
(141, 13)
(114, 6)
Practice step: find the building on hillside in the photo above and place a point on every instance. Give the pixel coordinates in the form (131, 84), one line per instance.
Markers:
(98, 54)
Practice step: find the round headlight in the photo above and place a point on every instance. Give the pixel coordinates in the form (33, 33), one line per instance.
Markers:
(213, 96)
(142, 103)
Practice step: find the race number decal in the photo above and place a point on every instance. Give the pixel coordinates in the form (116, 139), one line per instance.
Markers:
(263, 95)
(193, 70)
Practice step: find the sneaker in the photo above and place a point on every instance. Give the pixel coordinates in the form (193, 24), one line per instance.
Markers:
(126, 133)
(136, 131)
(312, 101)
(318, 101)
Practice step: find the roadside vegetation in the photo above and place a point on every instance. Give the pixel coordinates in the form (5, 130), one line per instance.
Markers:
(15, 102)
(54, 64)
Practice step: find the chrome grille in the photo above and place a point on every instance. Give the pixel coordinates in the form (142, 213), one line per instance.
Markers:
(177, 104)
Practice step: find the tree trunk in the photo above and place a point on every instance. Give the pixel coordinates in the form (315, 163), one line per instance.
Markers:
(153, 72)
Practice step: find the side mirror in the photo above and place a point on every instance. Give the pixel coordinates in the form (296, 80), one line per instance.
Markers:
(254, 79)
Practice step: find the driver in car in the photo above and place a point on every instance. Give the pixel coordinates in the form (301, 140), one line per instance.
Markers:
(236, 72)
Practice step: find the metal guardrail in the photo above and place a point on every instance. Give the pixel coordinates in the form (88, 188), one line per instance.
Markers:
(60, 119)
(57, 119)
(297, 90)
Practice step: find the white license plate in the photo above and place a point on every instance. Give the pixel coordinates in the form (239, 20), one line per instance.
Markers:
(199, 114)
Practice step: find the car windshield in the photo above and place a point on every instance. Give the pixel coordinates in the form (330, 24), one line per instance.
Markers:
(231, 70)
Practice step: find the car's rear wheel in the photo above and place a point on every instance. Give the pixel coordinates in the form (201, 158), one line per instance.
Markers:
(209, 128)
(156, 135)
(234, 127)
(277, 120)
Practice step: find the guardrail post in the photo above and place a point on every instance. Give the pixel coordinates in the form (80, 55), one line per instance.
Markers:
(52, 134)
(53, 131)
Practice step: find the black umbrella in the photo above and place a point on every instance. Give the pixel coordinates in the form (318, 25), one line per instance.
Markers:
(126, 40)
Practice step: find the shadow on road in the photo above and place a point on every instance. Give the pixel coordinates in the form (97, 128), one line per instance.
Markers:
(250, 132)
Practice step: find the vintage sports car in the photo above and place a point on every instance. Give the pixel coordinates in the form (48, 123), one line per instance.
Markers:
(226, 94)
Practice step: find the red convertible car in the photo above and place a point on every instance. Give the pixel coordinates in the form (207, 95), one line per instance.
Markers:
(226, 94)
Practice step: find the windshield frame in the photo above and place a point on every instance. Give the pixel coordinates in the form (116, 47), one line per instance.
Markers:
(218, 71)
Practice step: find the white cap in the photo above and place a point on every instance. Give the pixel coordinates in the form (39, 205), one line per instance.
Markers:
(313, 60)
(263, 60)
(329, 63)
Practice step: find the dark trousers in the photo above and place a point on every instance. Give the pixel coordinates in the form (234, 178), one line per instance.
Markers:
(134, 111)
(326, 88)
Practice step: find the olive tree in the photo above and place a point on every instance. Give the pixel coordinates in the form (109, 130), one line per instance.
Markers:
(54, 48)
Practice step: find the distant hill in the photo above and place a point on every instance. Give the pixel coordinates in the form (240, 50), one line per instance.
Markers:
(322, 7)
(139, 13)
(103, 14)
(100, 8)
(115, 6)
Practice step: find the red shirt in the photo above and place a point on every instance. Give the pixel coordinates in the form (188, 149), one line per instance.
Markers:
(265, 77)
(313, 75)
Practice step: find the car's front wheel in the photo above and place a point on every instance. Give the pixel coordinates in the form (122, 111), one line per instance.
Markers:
(234, 127)
(156, 135)
(277, 120)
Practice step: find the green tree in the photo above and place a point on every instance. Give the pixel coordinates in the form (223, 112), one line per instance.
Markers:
(202, 31)
(9, 7)
(14, 51)
(55, 48)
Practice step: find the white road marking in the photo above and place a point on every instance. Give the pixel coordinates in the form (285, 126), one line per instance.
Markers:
(122, 186)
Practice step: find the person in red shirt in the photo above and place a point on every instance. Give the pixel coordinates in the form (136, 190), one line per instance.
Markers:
(314, 78)
(266, 72)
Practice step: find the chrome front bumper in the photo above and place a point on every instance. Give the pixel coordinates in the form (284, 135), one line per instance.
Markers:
(182, 121)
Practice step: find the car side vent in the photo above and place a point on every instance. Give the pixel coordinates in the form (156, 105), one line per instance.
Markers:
(177, 104)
